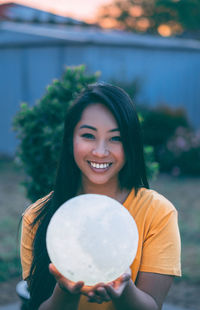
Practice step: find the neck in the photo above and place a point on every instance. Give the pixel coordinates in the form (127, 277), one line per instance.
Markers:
(112, 190)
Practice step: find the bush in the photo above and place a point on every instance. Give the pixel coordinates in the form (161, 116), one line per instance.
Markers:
(39, 129)
(160, 124)
(151, 164)
(183, 152)
(132, 88)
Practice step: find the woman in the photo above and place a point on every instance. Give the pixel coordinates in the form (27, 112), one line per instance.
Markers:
(102, 153)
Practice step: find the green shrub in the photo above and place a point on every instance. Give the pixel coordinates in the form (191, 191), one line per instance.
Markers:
(151, 164)
(132, 88)
(160, 124)
(9, 268)
(39, 129)
(183, 152)
(176, 145)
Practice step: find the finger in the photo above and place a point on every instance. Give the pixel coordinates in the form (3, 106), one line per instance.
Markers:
(92, 297)
(64, 283)
(126, 277)
(54, 272)
(98, 292)
(95, 300)
(95, 297)
(112, 292)
(98, 285)
(101, 291)
(76, 288)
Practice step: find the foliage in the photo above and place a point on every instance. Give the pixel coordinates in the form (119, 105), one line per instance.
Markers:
(39, 129)
(151, 164)
(176, 145)
(153, 16)
(132, 88)
(9, 268)
(160, 124)
(183, 152)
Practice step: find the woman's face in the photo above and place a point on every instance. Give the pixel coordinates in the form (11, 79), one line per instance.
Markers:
(98, 150)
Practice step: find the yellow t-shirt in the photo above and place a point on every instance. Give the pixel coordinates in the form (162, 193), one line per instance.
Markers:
(159, 239)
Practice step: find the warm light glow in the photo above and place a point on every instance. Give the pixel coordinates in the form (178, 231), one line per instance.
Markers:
(136, 11)
(165, 30)
(130, 22)
(138, 1)
(79, 9)
(115, 11)
(143, 24)
(108, 23)
(175, 28)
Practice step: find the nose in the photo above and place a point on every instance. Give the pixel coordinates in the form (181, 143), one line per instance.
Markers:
(100, 149)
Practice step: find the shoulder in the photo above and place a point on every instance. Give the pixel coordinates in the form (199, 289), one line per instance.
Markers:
(155, 201)
(31, 212)
(150, 206)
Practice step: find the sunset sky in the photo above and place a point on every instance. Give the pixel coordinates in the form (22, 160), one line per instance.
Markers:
(80, 9)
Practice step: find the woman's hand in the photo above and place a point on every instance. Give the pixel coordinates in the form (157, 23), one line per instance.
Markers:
(102, 292)
(68, 286)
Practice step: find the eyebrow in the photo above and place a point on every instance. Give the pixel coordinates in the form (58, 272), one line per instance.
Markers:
(95, 129)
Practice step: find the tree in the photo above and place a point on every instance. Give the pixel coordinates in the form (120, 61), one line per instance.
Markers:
(166, 17)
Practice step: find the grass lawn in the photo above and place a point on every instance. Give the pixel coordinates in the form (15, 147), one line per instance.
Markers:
(12, 204)
(184, 193)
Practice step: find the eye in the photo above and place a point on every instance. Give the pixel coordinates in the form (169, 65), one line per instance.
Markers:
(116, 138)
(88, 136)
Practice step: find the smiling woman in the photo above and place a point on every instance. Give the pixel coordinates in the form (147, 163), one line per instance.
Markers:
(102, 153)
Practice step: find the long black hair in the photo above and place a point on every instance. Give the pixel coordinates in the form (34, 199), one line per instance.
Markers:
(132, 175)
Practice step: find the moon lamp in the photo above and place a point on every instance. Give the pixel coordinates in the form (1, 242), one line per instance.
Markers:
(92, 238)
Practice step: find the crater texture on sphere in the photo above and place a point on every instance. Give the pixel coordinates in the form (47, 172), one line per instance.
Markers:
(92, 238)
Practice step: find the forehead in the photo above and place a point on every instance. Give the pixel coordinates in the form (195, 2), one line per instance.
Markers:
(98, 115)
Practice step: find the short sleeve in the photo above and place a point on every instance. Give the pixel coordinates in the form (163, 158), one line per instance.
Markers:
(162, 246)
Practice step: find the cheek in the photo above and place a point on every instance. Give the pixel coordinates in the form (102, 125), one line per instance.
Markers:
(80, 150)
(120, 153)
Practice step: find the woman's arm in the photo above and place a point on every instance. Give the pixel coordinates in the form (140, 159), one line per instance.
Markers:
(61, 300)
(148, 293)
(66, 294)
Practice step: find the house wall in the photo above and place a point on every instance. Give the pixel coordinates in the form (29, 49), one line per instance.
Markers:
(167, 75)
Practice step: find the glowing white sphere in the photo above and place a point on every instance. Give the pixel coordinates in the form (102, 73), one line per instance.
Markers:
(92, 238)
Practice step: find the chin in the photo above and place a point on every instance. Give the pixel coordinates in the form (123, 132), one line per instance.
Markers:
(100, 181)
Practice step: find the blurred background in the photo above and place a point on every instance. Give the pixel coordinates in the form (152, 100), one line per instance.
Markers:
(48, 52)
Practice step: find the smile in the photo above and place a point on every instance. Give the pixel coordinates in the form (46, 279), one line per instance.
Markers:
(99, 165)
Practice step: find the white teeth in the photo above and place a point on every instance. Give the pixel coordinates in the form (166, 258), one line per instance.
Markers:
(99, 166)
